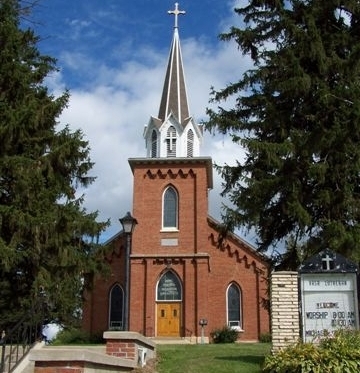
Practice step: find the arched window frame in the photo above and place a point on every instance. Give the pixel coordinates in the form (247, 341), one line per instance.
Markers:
(116, 324)
(178, 283)
(171, 139)
(170, 207)
(190, 143)
(154, 144)
(234, 321)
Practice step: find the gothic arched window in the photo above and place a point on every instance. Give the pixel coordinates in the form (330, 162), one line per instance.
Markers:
(169, 287)
(171, 142)
(233, 296)
(116, 307)
(170, 208)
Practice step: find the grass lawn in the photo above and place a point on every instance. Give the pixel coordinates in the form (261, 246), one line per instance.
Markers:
(211, 358)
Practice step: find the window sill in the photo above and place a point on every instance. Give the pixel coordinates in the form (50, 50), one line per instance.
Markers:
(165, 230)
(237, 328)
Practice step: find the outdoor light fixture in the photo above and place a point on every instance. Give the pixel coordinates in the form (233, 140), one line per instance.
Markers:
(128, 223)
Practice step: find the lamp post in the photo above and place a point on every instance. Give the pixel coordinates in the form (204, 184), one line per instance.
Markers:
(128, 223)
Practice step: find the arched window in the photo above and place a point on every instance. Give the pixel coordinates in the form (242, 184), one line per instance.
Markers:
(154, 144)
(190, 143)
(170, 208)
(169, 287)
(116, 307)
(233, 296)
(171, 142)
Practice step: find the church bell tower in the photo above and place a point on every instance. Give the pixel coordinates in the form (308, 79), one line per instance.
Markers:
(173, 133)
(170, 203)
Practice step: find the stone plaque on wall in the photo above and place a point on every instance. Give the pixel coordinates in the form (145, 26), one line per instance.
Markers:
(329, 300)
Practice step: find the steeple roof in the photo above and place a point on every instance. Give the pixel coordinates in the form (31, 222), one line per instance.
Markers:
(174, 97)
(174, 133)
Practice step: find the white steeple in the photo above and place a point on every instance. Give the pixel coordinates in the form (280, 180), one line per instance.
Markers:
(174, 132)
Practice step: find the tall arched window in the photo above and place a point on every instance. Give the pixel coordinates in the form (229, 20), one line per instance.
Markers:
(233, 296)
(190, 143)
(154, 144)
(116, 307)
(169, 287)
(170, 208)
(171, 142)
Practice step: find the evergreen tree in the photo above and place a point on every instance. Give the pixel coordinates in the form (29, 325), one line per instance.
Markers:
(297, 115)
(47, 239)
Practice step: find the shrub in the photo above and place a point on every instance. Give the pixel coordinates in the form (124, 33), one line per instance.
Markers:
(75, 336)
(224, 335)
(298, 358)
(265, 338)
(337, 353)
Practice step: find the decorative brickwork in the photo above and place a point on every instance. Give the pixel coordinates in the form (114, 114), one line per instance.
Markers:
(285, 325)
(204, 266)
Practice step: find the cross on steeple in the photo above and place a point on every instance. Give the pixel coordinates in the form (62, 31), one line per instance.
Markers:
(176, 13)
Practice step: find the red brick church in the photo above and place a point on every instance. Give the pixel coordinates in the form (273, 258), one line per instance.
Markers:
(169, 273)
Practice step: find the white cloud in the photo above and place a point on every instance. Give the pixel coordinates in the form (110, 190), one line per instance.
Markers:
(116, 102)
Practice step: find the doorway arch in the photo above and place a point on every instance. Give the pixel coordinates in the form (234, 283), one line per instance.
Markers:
(168, 305)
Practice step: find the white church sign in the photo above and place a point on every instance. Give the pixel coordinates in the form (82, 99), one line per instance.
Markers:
(328, 295)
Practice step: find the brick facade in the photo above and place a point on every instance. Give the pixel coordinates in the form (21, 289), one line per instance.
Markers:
(204, 267)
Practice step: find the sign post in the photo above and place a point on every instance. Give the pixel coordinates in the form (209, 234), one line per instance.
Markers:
(202, 323)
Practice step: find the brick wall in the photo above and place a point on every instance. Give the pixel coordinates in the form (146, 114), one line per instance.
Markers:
(285, 325)
(59, 367)
(120, 348)
(204, 267)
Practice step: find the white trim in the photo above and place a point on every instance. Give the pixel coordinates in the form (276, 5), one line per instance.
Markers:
(176, 227)
(240, 322)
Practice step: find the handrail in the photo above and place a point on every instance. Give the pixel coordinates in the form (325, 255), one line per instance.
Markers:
(16, 343)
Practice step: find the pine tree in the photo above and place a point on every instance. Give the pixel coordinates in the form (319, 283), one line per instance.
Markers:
(297, 116)
(47, 239)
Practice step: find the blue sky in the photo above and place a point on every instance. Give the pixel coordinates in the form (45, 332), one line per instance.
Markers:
(112, 56)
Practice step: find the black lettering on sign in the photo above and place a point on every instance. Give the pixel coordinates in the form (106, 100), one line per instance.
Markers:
(338, 315)
(316, 315)
(316, 333)
(338, 322)
(327, 305)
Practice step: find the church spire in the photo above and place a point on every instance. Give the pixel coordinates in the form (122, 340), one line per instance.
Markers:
(174, 97)
(174, 133)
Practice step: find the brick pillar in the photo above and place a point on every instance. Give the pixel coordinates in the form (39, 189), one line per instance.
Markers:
(121, 348)
(285, 326)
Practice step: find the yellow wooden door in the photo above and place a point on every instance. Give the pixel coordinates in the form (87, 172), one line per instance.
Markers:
(168, 319)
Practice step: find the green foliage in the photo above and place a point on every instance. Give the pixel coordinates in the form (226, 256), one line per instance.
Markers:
(340, 353)
(48, 241)
(297, 119)
(75, 336)
(224, 335)
(265, 338)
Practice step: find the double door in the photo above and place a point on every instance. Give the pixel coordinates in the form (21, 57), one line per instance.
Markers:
(168, 319)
